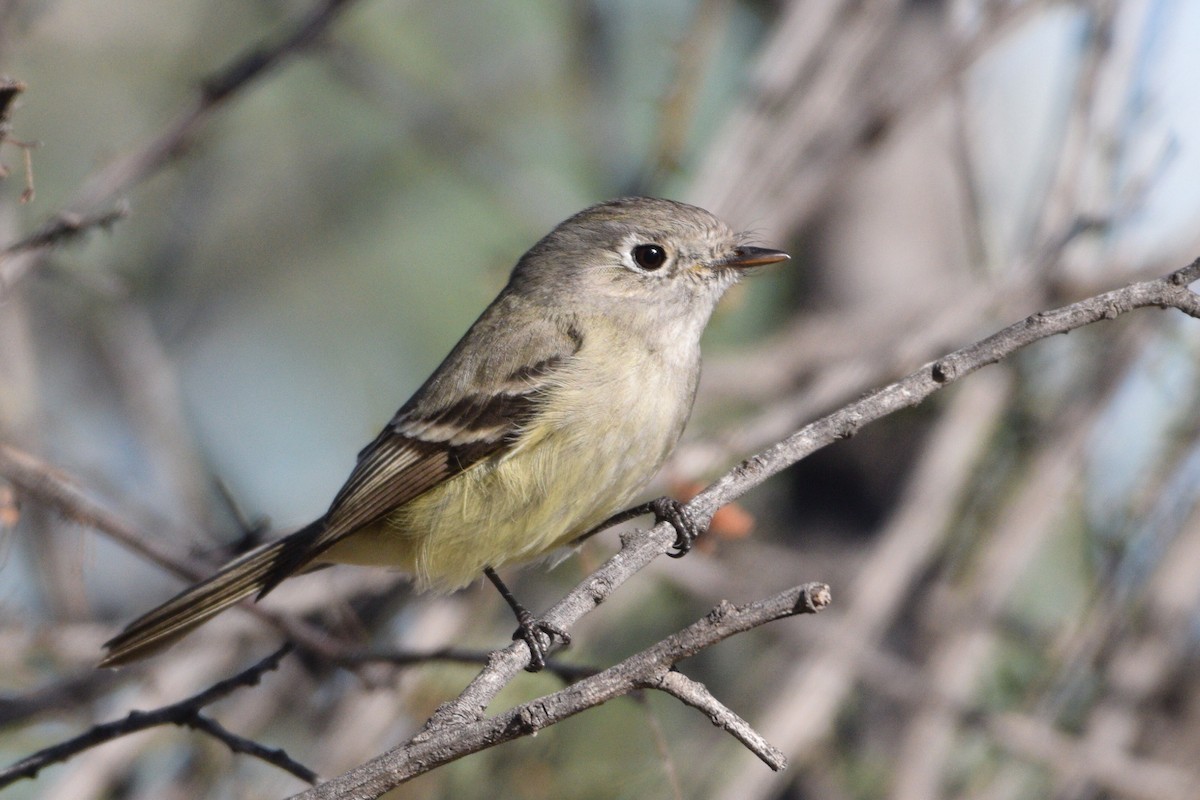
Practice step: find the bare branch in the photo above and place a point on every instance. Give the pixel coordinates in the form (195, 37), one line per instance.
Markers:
(185, 713)
(240, 744)
(697, 696)
(449, 739)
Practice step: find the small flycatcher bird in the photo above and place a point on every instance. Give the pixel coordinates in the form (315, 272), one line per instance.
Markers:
(552, 412)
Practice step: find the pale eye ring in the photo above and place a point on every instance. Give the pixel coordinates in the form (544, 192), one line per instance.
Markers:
(649, 256)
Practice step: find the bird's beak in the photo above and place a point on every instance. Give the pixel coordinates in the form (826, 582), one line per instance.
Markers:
(746, 257)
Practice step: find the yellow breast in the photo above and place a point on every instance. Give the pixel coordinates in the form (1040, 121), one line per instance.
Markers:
(604, 432)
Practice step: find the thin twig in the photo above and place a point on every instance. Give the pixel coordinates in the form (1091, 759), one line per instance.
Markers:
(185, 713)
(696, 695)
(240, 744)
(118, 176)
(662, 745)
(64, 227)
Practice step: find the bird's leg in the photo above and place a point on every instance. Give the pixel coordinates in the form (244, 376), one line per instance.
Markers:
(529, 628)
(615, 519)
(687, 527)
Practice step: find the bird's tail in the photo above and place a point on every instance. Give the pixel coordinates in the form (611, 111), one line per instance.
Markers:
(256, 572)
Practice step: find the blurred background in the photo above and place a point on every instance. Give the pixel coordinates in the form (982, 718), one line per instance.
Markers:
(1015, 564)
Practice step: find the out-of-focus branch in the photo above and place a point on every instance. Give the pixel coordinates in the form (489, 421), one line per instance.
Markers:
(968, 647)
(51, 487)
(1032, 737)
(63, 695)
(1141, 672)
(185, 713)
(93, 199)
(819, 102)
(62, 228)
(10, 89)
(42, 482)
(1119, 771)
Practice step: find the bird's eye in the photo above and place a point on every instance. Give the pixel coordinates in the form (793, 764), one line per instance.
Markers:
(649, 256)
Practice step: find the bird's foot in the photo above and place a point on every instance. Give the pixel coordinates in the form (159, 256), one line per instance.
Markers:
(539, 635)
(687, 527)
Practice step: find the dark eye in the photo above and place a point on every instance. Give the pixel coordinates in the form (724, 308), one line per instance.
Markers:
(649, 256)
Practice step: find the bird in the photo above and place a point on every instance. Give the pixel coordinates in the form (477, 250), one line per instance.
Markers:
(553, 411)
